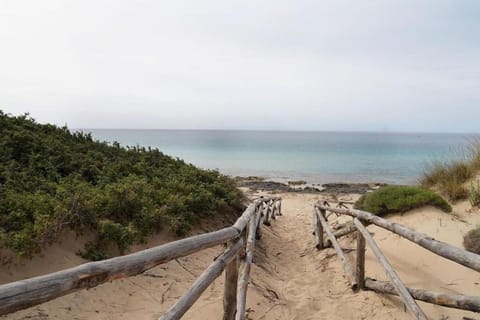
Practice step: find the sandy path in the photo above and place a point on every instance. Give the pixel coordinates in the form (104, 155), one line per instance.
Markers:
(290, 279)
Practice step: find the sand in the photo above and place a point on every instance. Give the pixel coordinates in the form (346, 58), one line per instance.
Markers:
(290, 279)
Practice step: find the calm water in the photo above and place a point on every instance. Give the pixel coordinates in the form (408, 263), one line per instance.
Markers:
(317, 157)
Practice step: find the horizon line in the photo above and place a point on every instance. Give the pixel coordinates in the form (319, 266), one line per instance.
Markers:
(284, 130)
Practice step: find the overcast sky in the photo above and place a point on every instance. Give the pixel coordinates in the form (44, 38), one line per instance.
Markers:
(406, 65)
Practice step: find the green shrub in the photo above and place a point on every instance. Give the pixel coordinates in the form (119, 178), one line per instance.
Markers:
(471, 241)
(51, 179)
(392, 199)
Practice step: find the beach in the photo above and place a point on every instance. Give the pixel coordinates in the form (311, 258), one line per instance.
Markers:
(290, 279)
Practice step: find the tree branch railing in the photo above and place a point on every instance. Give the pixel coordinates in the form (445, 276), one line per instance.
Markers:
(30, 292)
(396, 286)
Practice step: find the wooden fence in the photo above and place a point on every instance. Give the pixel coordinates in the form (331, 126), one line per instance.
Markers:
(236, 259)
(395, 286)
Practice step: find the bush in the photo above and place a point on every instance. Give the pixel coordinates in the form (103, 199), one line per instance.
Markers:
(471, 241)
(51, 179)
(392, 199)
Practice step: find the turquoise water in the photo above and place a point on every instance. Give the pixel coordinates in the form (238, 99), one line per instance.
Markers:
(317, 157)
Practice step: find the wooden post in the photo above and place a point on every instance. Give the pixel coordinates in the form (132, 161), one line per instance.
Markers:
(259, 223)
(318, 231)
(230, 293)
(279, 207)
(244, 276)
(345, 263)
(202, 283)
(442, 299)
(463, 257)
(400, 288)
(266, 218)
(360, 265)
(273, 210)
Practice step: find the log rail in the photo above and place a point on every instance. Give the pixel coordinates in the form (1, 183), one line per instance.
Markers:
(240, 244)
(396, 286)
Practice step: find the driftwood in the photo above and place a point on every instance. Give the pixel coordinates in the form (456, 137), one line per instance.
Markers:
(244, 276)
(466, 258)
(202, 282)
(230, 290)
(26, 293)
(345, 263)
(400, 288)
(360, 261)
(341, 233)
(317, 231)
(442, 299)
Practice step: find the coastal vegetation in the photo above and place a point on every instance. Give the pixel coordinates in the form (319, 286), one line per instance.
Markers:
(451, 177)
(391, 199)
(471, 241)
(52, 179)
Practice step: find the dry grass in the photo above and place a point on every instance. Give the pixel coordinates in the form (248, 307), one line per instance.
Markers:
(450, 177)
(471, 241)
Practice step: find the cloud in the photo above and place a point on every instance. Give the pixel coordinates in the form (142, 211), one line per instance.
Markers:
(300, 65)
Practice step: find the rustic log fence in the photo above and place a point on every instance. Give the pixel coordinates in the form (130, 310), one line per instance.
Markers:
(357, 279)
(236, 260)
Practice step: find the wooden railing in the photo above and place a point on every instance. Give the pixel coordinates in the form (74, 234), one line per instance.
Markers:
(236, 259)
(395, 286)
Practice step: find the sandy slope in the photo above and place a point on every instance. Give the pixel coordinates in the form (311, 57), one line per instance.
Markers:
(290, 280)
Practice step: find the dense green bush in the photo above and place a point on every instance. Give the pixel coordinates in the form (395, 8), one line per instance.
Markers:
(392, 199)
(51, 178)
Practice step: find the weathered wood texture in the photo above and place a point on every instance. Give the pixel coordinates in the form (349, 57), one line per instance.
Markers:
(466, 258)
(341, 233)
(400, 288)
(244, 276)
(26, 293)
(442, 299)
(317, 231)
(230, 290)
(360, 261)
(347, 267)
(203, 282)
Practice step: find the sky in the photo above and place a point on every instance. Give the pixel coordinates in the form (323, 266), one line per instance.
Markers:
(397, 65)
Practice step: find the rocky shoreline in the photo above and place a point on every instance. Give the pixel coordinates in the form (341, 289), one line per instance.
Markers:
(260, 184)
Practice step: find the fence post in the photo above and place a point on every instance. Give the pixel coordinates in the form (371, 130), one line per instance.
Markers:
(318, 231)
(360, 267)
(230, 293)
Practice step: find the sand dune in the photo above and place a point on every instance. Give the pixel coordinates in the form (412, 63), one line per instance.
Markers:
(290, 279)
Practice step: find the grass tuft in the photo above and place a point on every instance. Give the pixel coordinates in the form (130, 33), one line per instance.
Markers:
(393, 199)
(450, 177)
(471, 241)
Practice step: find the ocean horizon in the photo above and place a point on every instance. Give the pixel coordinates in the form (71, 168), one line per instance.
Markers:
(313, 156)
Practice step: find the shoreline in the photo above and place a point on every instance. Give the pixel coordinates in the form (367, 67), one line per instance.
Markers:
(256, 184)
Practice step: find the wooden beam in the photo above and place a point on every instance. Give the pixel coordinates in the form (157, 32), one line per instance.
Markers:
(456, 301)
(400, 288)
(317, 231)
(360, 261)
(245, 271)
(463, 257)
(230, 290)
(341, 233)
(202, 282)
(345, 263)
(26, 293)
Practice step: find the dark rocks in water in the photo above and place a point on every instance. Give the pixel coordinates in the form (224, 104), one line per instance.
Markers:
(279, 187)
(359, 188)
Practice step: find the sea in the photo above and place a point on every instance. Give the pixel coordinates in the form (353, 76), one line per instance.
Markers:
(315, 157)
